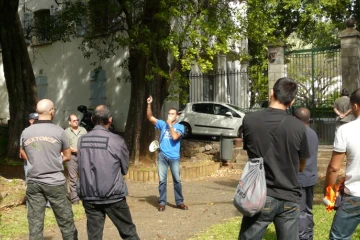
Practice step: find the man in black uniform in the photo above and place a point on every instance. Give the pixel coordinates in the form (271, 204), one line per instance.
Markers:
(281, 140)
(103, 160)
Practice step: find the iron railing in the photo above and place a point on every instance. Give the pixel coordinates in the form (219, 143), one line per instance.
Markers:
(318, 73)
(223, 86)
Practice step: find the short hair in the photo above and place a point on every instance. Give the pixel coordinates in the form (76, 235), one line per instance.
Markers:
(355, 97)
(303, 114)
(345, 92)
(101, 115)
(173, 109)
(285, 90)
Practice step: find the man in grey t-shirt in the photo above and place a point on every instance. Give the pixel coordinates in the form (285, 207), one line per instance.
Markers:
(47, 147)
(342, 109)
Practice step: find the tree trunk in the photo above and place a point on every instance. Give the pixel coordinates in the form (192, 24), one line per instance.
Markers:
(19, 75)
(139, 132)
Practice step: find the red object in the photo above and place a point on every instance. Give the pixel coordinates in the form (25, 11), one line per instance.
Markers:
(331, 195)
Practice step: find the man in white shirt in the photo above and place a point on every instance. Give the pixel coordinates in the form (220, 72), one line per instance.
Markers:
(347, 142)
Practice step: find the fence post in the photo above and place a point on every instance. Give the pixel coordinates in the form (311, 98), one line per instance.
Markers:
(350, 56)
(276, 65)
(244, 83)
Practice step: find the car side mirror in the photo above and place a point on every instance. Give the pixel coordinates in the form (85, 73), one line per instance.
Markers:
(228, 114)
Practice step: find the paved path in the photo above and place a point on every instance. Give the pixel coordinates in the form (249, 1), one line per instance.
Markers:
(209, 200)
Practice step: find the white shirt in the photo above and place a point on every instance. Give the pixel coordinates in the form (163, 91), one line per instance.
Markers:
(347, 140)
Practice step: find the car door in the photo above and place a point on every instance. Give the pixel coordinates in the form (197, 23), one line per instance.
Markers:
(202, 118)
(226, 125)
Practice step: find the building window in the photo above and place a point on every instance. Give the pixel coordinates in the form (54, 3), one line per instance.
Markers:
(104, 16)
(97, 88)
(42, 26)
(41, 86)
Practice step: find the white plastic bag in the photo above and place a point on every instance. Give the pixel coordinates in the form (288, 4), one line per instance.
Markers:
(250, 195)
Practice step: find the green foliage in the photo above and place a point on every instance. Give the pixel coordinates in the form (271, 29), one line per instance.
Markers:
(312, 22)
(193, 32)
(14, 224)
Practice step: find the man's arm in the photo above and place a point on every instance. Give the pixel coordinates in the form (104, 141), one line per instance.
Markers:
(149, 114)
(333, 169)
(302, 164)
(174, 134)
(23, 154)
(347, 112)
(66, 154)
(337, 112)
(124, 158)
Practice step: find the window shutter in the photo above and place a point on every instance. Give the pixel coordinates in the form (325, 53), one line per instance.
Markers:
(41, 86)
(97, 88)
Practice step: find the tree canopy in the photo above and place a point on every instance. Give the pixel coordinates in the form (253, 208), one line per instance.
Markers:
(314, 23)
(164, 40)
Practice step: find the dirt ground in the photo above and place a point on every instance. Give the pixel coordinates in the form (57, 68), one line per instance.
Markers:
(209, 200)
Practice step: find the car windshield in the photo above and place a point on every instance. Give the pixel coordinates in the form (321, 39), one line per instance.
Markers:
(235, 107)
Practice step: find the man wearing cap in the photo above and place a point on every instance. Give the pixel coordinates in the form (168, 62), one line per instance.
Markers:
(32, 118)
(73, 133)
(46, 148)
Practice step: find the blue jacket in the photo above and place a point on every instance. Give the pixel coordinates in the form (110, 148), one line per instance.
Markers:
(103, 160)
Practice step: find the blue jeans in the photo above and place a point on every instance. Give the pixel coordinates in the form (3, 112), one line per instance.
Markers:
(163, 164)
(284, 214)
(346, 218)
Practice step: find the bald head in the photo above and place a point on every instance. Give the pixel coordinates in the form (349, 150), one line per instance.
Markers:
(303, 114)
(102, 116)
(45, 109)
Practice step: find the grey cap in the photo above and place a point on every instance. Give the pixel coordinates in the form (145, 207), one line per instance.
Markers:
(34, 116)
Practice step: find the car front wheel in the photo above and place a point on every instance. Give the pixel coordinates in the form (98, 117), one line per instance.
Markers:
(187, 130)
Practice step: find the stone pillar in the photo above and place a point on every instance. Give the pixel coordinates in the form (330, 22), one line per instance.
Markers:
(350, 56)
(276, 65)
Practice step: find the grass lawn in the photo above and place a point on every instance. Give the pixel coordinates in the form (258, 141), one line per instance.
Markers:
(229, 229)
(14, 224)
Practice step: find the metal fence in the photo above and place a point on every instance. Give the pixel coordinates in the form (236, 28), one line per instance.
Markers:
(318, 73)
(223, 86)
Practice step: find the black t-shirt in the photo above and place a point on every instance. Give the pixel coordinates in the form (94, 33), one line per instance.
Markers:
(289, 144)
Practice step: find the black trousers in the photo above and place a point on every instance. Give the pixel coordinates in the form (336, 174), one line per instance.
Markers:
(118, 212)
(306, 221)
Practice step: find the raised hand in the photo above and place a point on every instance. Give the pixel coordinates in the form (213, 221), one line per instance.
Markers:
(150, 99)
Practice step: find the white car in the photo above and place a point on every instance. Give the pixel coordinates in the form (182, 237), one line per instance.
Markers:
(212, 119)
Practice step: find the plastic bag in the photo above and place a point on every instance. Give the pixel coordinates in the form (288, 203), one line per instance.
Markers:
(250, 195)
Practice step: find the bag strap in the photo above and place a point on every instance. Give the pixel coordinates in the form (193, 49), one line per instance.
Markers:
(275, 132)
